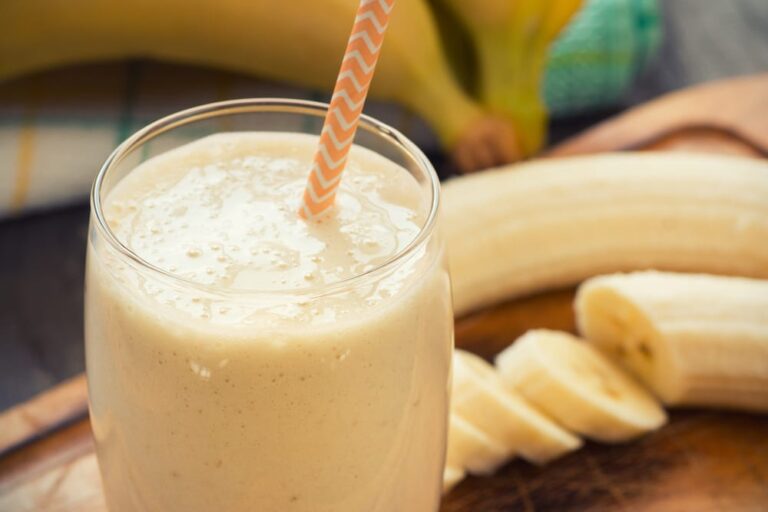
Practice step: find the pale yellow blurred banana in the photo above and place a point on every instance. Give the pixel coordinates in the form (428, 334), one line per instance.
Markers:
(553, 223)
(452, 476)
(300, 41)
(471, 449)
(693, 339)
(575, 384)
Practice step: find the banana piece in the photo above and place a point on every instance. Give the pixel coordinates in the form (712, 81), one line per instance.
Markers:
(301, 41)
(693, 339)
(553, 223)
(480, 397)
(471, 449)
(576, 385)
(452, 476)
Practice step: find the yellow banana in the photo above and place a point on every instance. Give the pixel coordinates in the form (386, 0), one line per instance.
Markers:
(512, 41)
(297, 41)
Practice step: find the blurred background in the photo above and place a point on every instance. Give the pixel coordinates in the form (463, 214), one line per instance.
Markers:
(67, 102)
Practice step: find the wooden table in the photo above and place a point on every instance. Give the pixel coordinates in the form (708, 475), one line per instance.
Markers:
(702, 461)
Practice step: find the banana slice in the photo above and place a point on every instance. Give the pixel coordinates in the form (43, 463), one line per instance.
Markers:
(480, 397)
(579, 387)
(452, 476)
(470, 448)
(693, 339)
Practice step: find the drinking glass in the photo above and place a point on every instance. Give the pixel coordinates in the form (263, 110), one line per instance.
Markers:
(191, 413)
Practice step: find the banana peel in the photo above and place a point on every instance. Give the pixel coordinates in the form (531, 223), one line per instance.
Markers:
(511, 45)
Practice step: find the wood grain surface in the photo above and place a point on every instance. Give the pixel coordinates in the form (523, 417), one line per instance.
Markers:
(703, 461)
(43, 414)
(724, 116)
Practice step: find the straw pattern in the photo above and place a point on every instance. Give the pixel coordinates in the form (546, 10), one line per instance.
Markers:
(346, 105)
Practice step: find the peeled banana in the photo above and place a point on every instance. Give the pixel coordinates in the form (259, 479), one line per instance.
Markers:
(481, 399)
(552, 223)
(693, 339)
(575, 384)
(300, 41)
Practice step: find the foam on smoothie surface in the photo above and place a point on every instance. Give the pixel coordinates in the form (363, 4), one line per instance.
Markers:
(221, 211)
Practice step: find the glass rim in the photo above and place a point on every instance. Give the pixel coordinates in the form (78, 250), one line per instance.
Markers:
(258, 105)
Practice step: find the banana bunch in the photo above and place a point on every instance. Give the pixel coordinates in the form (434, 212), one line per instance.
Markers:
(512, 42)
(553, 223)
(697, 340)
(301, 42)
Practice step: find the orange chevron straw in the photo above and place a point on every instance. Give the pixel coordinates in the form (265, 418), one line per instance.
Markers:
(346, 105)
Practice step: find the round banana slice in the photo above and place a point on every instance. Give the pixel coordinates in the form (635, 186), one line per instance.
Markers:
(470, 448)
(578, 386)
(480, 397)
(693, 339)
(452, 476)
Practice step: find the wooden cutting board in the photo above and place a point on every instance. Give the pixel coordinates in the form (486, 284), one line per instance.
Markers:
(702, 461)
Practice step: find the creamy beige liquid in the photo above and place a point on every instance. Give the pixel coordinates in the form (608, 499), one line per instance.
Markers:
(213, 397)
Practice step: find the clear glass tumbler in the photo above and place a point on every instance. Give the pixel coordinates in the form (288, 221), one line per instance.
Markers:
(196, 415)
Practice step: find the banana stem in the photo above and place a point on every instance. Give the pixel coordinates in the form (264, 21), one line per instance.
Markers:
(415, 72)
(510, 84)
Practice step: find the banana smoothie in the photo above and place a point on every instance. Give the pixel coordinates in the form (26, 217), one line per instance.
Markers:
(242, 359)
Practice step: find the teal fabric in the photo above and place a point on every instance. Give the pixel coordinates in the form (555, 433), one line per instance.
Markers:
(593, 62)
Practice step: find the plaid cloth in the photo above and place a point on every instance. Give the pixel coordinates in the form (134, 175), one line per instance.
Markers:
(57, 128)
(595, 59)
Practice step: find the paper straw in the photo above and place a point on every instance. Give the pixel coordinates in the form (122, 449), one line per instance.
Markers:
(346, 106)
